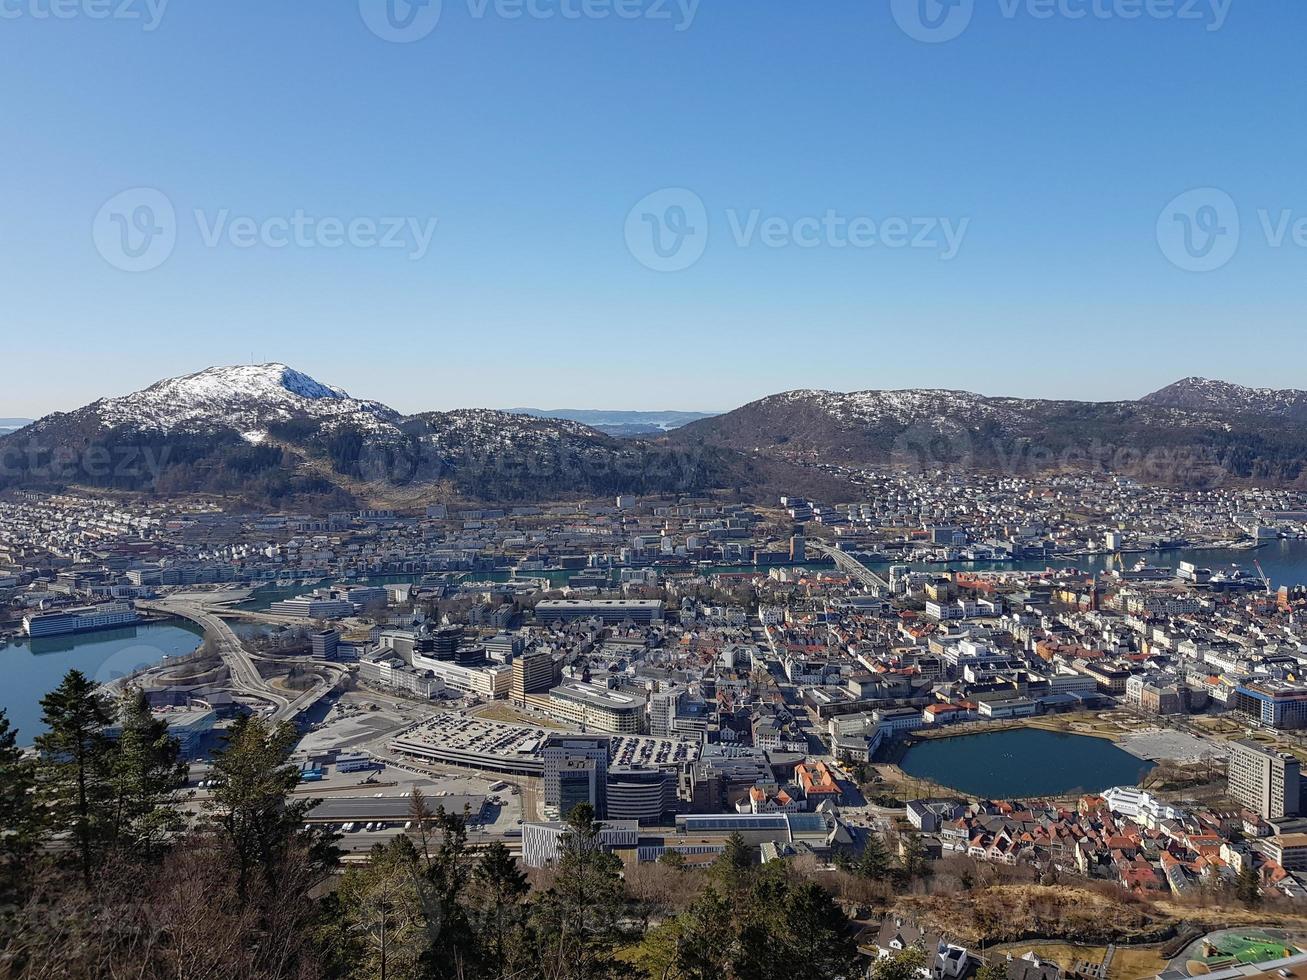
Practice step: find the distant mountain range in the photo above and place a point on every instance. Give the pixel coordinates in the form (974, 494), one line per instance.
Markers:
(624, 424)
(1193, 433)
(12, 425)
(1205, 395)
(269, 435)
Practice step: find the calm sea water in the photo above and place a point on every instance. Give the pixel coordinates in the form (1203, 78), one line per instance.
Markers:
(1284, 561)
(1023, 762)
(33, 668)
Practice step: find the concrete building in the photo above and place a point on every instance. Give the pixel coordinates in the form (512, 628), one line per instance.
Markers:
(1264, 780)
(534, 672)
(1289, 851)
(598, 709)
(326, 643)
(641, 794)
(610, 611)
(576, 771)
(542, 842)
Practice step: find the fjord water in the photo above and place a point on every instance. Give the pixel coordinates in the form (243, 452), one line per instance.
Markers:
(33, 668)
(1023, 762)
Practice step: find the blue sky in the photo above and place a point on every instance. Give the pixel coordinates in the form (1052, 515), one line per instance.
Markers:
(1054, 142)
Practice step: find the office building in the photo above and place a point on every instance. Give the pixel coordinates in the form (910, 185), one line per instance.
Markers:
(640, 794)
(610, 611)
(326, 643)
(597, 709)
(534, 672)
(1289, 851)
(1264, 780)
(576, 771)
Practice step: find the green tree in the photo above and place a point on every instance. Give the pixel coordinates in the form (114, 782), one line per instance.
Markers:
(19, 816)
(147, 772)
(500, 886)
(1247, 887)
(913, 856)
(576, 919)
(252, 806)
(672, 859)
(772, 916)
(996, 970)
(378, 910)
(735, 861)
(74, 775)
(873, 863)
(906, 964)
(442, 889)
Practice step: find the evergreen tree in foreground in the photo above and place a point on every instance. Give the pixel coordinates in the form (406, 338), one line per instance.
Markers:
(147, 772)
(75, 775)
(19, 817)
(575, 921)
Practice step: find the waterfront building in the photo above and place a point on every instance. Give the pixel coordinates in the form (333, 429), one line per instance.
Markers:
(1276, 704)
(80, 619)
(313, 606)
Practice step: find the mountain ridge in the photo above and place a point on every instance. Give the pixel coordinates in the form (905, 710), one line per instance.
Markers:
(269, 433)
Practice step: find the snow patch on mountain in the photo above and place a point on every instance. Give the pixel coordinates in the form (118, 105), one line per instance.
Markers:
(904, 406)
(244, 397)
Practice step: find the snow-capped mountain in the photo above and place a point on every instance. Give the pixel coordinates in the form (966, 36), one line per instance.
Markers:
(247, 398)
(1204, 394)
(267, 432)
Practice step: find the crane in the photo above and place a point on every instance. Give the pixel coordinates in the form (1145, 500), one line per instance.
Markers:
(1265, 581)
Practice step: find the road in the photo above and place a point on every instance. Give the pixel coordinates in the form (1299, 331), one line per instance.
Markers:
(245, 676)
(847, 563)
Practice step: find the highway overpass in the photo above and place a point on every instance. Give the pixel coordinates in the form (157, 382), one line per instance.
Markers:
(245, 676)
(850, 565)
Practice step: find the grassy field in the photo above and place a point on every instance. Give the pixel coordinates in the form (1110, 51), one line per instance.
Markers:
(499, 711)
(1129, 963)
